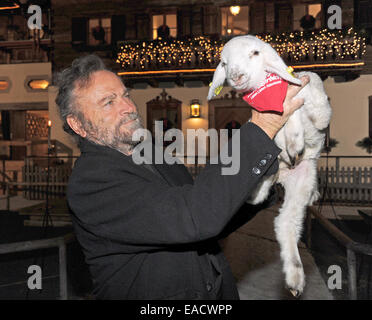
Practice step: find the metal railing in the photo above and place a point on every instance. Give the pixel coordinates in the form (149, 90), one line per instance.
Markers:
(345, 185)
(59, 242)
(338, 159)
(352, 247)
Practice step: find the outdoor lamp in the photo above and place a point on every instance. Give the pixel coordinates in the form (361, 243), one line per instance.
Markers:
(4, 85)
(235, 10)
(38, 84)
(195, 108)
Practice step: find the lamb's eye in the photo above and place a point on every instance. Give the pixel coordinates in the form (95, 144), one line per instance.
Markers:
(223, 64)
(256, 53)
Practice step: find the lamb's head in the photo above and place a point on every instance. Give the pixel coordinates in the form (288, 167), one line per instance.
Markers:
(245, 61)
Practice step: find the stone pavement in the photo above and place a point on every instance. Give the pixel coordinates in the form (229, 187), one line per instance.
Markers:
(18, 202)
(253, 253)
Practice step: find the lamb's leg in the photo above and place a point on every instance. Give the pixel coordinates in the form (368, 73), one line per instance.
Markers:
(300, 187)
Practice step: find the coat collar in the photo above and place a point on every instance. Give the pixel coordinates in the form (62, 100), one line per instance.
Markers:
(165, 171)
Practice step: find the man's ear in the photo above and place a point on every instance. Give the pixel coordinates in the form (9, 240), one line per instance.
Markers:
(75, 124)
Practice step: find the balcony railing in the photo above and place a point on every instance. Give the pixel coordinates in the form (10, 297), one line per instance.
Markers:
(321, 50)
(25, 51)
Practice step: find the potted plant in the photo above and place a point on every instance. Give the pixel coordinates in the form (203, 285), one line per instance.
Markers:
(331, 144)
(365, 143)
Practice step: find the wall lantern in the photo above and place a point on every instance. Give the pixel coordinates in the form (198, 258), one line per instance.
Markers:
(235, 10)
(195, 109)
(4, 85)
(38, 84)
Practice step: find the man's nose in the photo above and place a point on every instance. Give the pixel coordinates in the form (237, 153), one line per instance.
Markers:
(127, 106)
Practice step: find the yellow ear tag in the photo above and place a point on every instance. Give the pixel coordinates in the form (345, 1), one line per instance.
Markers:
(290, 71)
(217, 90)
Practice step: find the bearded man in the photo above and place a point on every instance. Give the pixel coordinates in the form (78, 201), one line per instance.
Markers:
(151, 231)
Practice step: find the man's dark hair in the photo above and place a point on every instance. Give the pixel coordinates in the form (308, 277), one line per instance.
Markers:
(78, 74)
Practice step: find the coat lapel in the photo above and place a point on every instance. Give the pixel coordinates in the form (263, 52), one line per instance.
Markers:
(172, 174)
(175, 175)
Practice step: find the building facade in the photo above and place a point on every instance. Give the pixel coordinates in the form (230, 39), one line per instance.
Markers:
(137, 40)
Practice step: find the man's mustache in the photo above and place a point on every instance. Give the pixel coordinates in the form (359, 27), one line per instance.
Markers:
(129, 117)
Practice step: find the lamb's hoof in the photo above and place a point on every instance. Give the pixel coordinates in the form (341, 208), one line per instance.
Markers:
(295, 279)
(295, 293)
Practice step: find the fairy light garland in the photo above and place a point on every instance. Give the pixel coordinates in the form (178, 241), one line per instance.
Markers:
(296, 46)
(172, 52)
(337, 44)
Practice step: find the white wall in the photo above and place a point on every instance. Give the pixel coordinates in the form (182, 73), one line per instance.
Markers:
(349, 123)
(17, 73)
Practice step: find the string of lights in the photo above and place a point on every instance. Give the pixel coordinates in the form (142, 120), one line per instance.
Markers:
(297, 46)
(321, 45)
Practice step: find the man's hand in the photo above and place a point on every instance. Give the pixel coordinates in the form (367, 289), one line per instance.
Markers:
(271, 122)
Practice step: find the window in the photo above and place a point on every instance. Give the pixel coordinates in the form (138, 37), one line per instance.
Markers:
(99, 31)
(301, 10)
(164, 108)
(170, 20)
(234, 20)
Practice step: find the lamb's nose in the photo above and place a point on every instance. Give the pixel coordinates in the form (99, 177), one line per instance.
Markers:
(236, 77)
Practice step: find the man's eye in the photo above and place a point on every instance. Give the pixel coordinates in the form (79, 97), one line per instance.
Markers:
(126, 95)
(109, 103)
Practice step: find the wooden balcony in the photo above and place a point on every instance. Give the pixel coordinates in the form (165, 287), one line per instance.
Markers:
(25, 51)
(326, 52)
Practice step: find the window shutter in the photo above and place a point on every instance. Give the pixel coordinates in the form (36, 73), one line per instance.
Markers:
(364, 14)
(143, 26)
(79, 31)
(257, 18)
(5, 124)
(117, 29)
(197, 21)
(184, 22)
(211, 20)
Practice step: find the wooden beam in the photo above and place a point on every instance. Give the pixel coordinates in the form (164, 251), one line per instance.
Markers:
(179, 81)
(24, 106)
(153, 83)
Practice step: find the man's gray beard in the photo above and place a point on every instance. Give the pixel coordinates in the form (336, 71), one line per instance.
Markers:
(120, 141)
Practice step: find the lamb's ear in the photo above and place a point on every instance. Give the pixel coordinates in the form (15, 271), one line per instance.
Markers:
(218, 80)
(275, 64)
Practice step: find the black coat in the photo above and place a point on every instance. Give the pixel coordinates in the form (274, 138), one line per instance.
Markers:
(153, 234)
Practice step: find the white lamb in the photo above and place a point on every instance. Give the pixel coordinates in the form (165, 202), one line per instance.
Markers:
(245, 62)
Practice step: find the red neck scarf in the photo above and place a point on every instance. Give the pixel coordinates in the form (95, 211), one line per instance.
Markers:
(270, 96)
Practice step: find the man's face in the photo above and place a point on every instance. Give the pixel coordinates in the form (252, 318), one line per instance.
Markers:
(109, 116)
